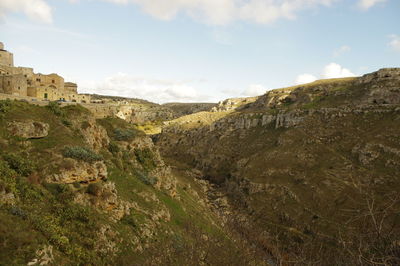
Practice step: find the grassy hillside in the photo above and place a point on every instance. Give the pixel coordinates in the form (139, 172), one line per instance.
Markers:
(137, 212)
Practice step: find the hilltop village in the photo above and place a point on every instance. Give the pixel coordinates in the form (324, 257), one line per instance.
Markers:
(23, 82)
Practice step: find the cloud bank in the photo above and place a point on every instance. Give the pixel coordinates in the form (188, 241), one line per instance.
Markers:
(221, 12)
(154, 90)
(213, 12)
(330, 71)
(37, 10)
(367, 4)
(254, 90)
(395, 42)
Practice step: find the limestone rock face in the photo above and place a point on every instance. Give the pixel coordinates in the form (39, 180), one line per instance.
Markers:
(94, 134)
(106, 199)
(29, 129)
(78, 171)
(383, 86)
(232, 104)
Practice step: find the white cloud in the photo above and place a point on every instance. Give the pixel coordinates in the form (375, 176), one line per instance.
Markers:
(305, 78)
(254, 90)
(221, 12)
(35, 9)
(153, 90)
(395, 42)
(334, 70)
(330, 71)
(343, 49)
(367, 4)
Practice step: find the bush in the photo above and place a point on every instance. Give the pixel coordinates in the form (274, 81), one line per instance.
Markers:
(82, 154)
(94, 189)
(124, 134)
(85, 125)
(5, 106)
(56, 189)
(66, 122)
(19, 164)
(113, 147)
(146, 158)
(55, 108)
(146, 179)
(129, 220)
(7, 178)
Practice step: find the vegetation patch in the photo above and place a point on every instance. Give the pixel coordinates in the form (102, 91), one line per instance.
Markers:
(146, 178)
(124, 134)
(19, 163)
(55, 108)
(5, 106)
(82, 154)
(146, 158)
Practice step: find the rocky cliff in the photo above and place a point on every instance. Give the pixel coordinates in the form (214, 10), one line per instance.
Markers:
(307, 170)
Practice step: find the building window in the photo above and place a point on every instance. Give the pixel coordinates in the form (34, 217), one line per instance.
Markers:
(45, 95)
(19, 88)
(53, 81)
(38, 80)
(9, 83)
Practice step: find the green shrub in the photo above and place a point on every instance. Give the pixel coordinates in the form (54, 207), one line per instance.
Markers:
(66, 122)
(82, 154)
(146, 158)
(85, 125)
(113, 147)
(145, 178)
(55, 108)
(124, 134)
(94, 189)
(56, 189)
(7, 178)
(129, 220)
(5, 106)
(76, 185)
(19, 164)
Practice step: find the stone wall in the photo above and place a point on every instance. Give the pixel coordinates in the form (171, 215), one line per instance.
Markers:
(14, 85)
(71, 87)
(6, 58)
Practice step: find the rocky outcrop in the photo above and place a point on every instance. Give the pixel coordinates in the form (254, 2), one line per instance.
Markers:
(383, 86)
(72, 171)
(105, 197)
(94, 134)
(44, 256)
(28, 129)
(232, 104)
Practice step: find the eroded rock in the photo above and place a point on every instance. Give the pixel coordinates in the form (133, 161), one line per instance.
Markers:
(78, 171)
(28, 129)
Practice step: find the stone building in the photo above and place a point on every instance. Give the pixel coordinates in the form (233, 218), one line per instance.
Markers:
(23, 82)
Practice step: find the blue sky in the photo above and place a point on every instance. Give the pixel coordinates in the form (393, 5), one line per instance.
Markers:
(200, 50)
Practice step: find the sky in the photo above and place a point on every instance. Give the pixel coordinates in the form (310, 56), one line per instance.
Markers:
(200, 50)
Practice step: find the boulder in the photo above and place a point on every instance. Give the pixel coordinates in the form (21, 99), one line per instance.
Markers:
(29, 129)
